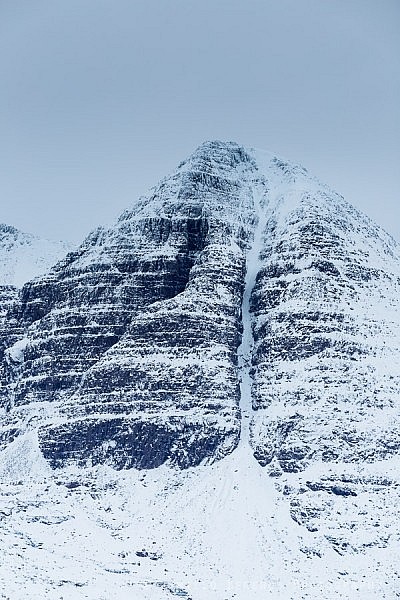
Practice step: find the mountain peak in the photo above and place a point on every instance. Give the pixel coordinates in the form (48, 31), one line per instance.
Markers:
(25, 256)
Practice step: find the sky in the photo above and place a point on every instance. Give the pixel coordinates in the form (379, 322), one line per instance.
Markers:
(99, 99)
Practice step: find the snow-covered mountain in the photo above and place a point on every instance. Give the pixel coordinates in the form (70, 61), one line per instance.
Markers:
(24, 256)
(234, 337)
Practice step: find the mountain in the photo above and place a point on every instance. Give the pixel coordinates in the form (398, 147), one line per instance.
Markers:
(22, 257)
(25, 256)
(211, 387)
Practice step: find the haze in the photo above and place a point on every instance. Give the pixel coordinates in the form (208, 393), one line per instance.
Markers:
(100, 99)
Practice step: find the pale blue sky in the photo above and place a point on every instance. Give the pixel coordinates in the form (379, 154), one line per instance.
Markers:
(101, 98)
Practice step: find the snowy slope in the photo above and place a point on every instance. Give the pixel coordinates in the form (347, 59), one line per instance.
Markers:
(24, 256)
(210, 532)
(236, 337)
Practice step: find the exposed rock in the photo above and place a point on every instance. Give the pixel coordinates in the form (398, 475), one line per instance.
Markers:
(135, 334)
(326, 331)
(126, 351)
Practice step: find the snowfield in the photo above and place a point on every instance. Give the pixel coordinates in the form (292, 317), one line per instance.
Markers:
(220, 531)
(25, 256)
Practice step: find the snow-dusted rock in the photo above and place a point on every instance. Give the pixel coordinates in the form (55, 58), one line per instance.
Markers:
(327, 332)
(135, 335)
(133, 338)
(22, 257)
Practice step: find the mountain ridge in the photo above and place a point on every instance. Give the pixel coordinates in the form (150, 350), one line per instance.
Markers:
(25, 256)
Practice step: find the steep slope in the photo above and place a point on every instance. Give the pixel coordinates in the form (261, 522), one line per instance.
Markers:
(131, 342)
(25, 256)
(326, 383)
(245, 312)
(327, 330)
(22, 257)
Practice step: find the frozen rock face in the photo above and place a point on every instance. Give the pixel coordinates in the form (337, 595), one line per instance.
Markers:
(22, 257)
(8, 297)
(128, 349)
(130, 352)
(326, 332)
(325, 380)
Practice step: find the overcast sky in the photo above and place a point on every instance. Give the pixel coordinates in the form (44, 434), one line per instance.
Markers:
(101, 98)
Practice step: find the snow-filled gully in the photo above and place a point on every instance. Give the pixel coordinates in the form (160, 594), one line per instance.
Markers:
(253, 265)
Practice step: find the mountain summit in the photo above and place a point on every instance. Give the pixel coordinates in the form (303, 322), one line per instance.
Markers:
(25, 256)
(242, 311)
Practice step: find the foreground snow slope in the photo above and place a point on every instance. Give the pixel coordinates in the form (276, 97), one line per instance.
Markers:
(210, 532)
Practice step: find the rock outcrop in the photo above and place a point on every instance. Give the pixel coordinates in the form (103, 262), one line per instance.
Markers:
(22, 257)
(327, 332)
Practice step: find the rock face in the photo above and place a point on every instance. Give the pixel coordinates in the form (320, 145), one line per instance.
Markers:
(22, 257)
(131, 341)
(126, 351)
(8, 297)
(327, 332)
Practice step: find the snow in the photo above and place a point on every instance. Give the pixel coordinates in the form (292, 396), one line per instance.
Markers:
(16, 351)
(219, 531)
(245, 350)
(25, 256)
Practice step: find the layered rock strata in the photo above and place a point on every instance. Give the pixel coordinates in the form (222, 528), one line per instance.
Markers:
(126, 352)
(129, 354)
